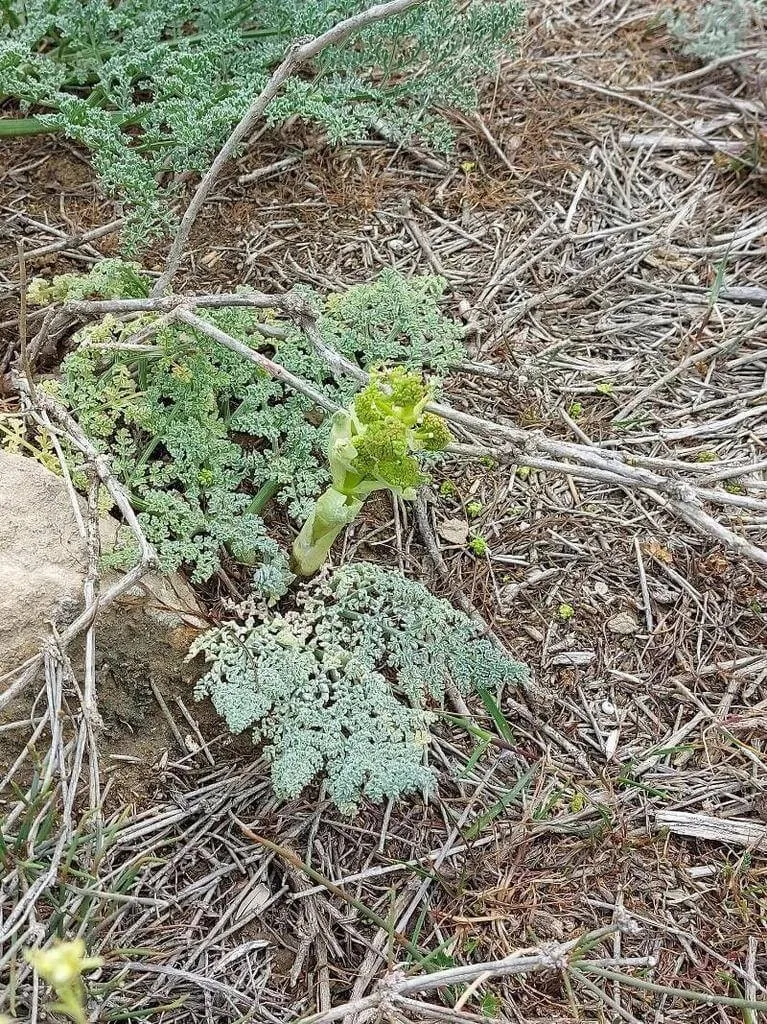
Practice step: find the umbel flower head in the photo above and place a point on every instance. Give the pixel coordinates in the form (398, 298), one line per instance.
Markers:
(62, 966)
(373, 446)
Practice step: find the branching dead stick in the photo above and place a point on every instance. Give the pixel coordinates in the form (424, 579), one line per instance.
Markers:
(615, 476)
(523, 961)
(298, 54)
(682, 497)
(291, 304)
(295, 861)
(515, 443)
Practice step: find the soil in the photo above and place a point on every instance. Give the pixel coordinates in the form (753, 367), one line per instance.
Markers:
(670, 717)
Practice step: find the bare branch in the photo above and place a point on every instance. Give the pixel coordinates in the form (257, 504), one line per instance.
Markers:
(298, 53)
(555, 956)
(515, 444)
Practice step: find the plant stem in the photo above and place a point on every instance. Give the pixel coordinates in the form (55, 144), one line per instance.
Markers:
(691, 994)
(262, 498)
(333, 511)
(16, 127)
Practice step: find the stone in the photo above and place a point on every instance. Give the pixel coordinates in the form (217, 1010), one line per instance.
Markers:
(624, 624)
(454, 531)
(43, 563)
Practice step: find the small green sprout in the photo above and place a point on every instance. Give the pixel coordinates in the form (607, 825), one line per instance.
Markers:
(474, 509)
(523, 472)
(448, 489)
(373, 446)
(577, 802)
(733, 487)
(566, 612)
(576, 410)
(488, 462)
(706, 456)
(61, 966)
(479, 545)
(606, 388)
(630, 423)
(13, 438)
(491, 1005)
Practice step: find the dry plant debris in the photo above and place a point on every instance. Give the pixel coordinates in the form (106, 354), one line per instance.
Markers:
(604, 233)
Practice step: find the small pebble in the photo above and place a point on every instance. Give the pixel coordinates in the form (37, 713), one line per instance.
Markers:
(623, 623)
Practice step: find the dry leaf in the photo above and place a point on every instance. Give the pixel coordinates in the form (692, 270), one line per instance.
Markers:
(253, 902)
(454, 531)
(656, 550)
(624, 623)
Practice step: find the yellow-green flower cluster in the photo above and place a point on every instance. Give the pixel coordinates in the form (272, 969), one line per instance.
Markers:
(62, 966)
(373, 446)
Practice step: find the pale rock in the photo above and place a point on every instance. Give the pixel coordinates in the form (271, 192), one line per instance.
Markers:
(43, 563)
(454, 531)
(624, 624)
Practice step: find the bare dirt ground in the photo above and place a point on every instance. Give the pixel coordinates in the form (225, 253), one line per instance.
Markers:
(603, 228)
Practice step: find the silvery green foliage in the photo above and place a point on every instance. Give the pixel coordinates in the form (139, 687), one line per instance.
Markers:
(154, 88)
(394, 319)
(196, 433)
(717, 28)
(342, 685)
